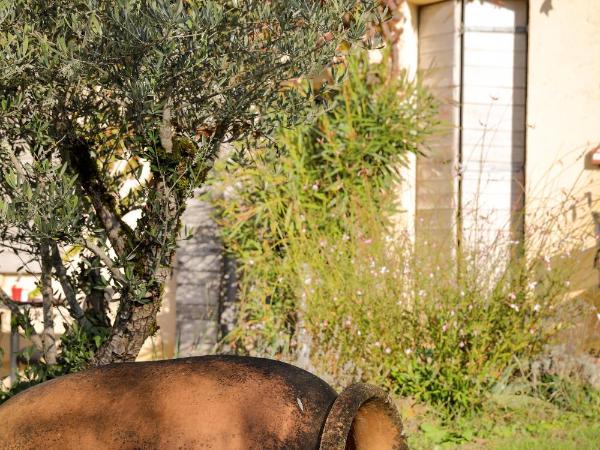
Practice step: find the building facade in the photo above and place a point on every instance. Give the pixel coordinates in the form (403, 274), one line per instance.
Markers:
(518, 159)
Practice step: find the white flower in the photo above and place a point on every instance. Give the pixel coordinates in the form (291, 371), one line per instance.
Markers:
(388, 350)
(377, 344)
(383, 270)
(359, 293)
(345, 238)
(532, 285)
(512, 296)
(598, 316)
(515, 307)
(537, 307)
(408, 351)
(315, 187)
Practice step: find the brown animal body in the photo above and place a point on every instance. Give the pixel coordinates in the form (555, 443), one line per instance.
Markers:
(211, 402)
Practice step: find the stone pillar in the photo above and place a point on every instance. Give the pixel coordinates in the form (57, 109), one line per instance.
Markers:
(199, 270)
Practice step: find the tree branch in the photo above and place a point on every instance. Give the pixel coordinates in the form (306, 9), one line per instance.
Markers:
(17, 165)
(104, 203)
(115, 272)
(166, 134)
(74, 307)
(48, 337)
(15, 311)
(9, 303)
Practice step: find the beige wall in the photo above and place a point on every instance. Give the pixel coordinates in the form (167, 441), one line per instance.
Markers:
(163, 344)
(563, 127)
(408, 46)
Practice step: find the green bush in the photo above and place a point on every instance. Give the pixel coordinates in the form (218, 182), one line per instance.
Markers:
(317, 252)
(380, 313)
(77, 345)
(352, 150)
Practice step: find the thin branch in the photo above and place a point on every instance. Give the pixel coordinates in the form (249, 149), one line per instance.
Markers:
(34, 337)
(166, 133)
(17, 165)
(74, 306)
(115, 272)
(9, 303)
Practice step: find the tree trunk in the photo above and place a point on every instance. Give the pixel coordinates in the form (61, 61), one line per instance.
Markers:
(148, 249)
(133, 324)
(96, 302)
(136, 318)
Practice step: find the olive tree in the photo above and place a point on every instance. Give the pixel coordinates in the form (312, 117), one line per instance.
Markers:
(112, 113)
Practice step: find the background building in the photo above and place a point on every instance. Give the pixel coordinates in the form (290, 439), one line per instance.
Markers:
(519, 159)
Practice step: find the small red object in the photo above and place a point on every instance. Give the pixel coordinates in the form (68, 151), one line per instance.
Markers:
(16, 293)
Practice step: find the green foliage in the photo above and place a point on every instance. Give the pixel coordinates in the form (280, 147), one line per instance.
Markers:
(382, 313)
(567, 394)
(111, 111)
(280, 201)
(317, 251)
(78, 347)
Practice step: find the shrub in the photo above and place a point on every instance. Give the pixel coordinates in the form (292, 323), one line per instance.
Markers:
(381, 313)
(323, 271)
(353, 149)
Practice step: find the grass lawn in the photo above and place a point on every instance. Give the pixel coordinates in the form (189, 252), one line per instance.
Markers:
(508, 422)
(586, 436)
